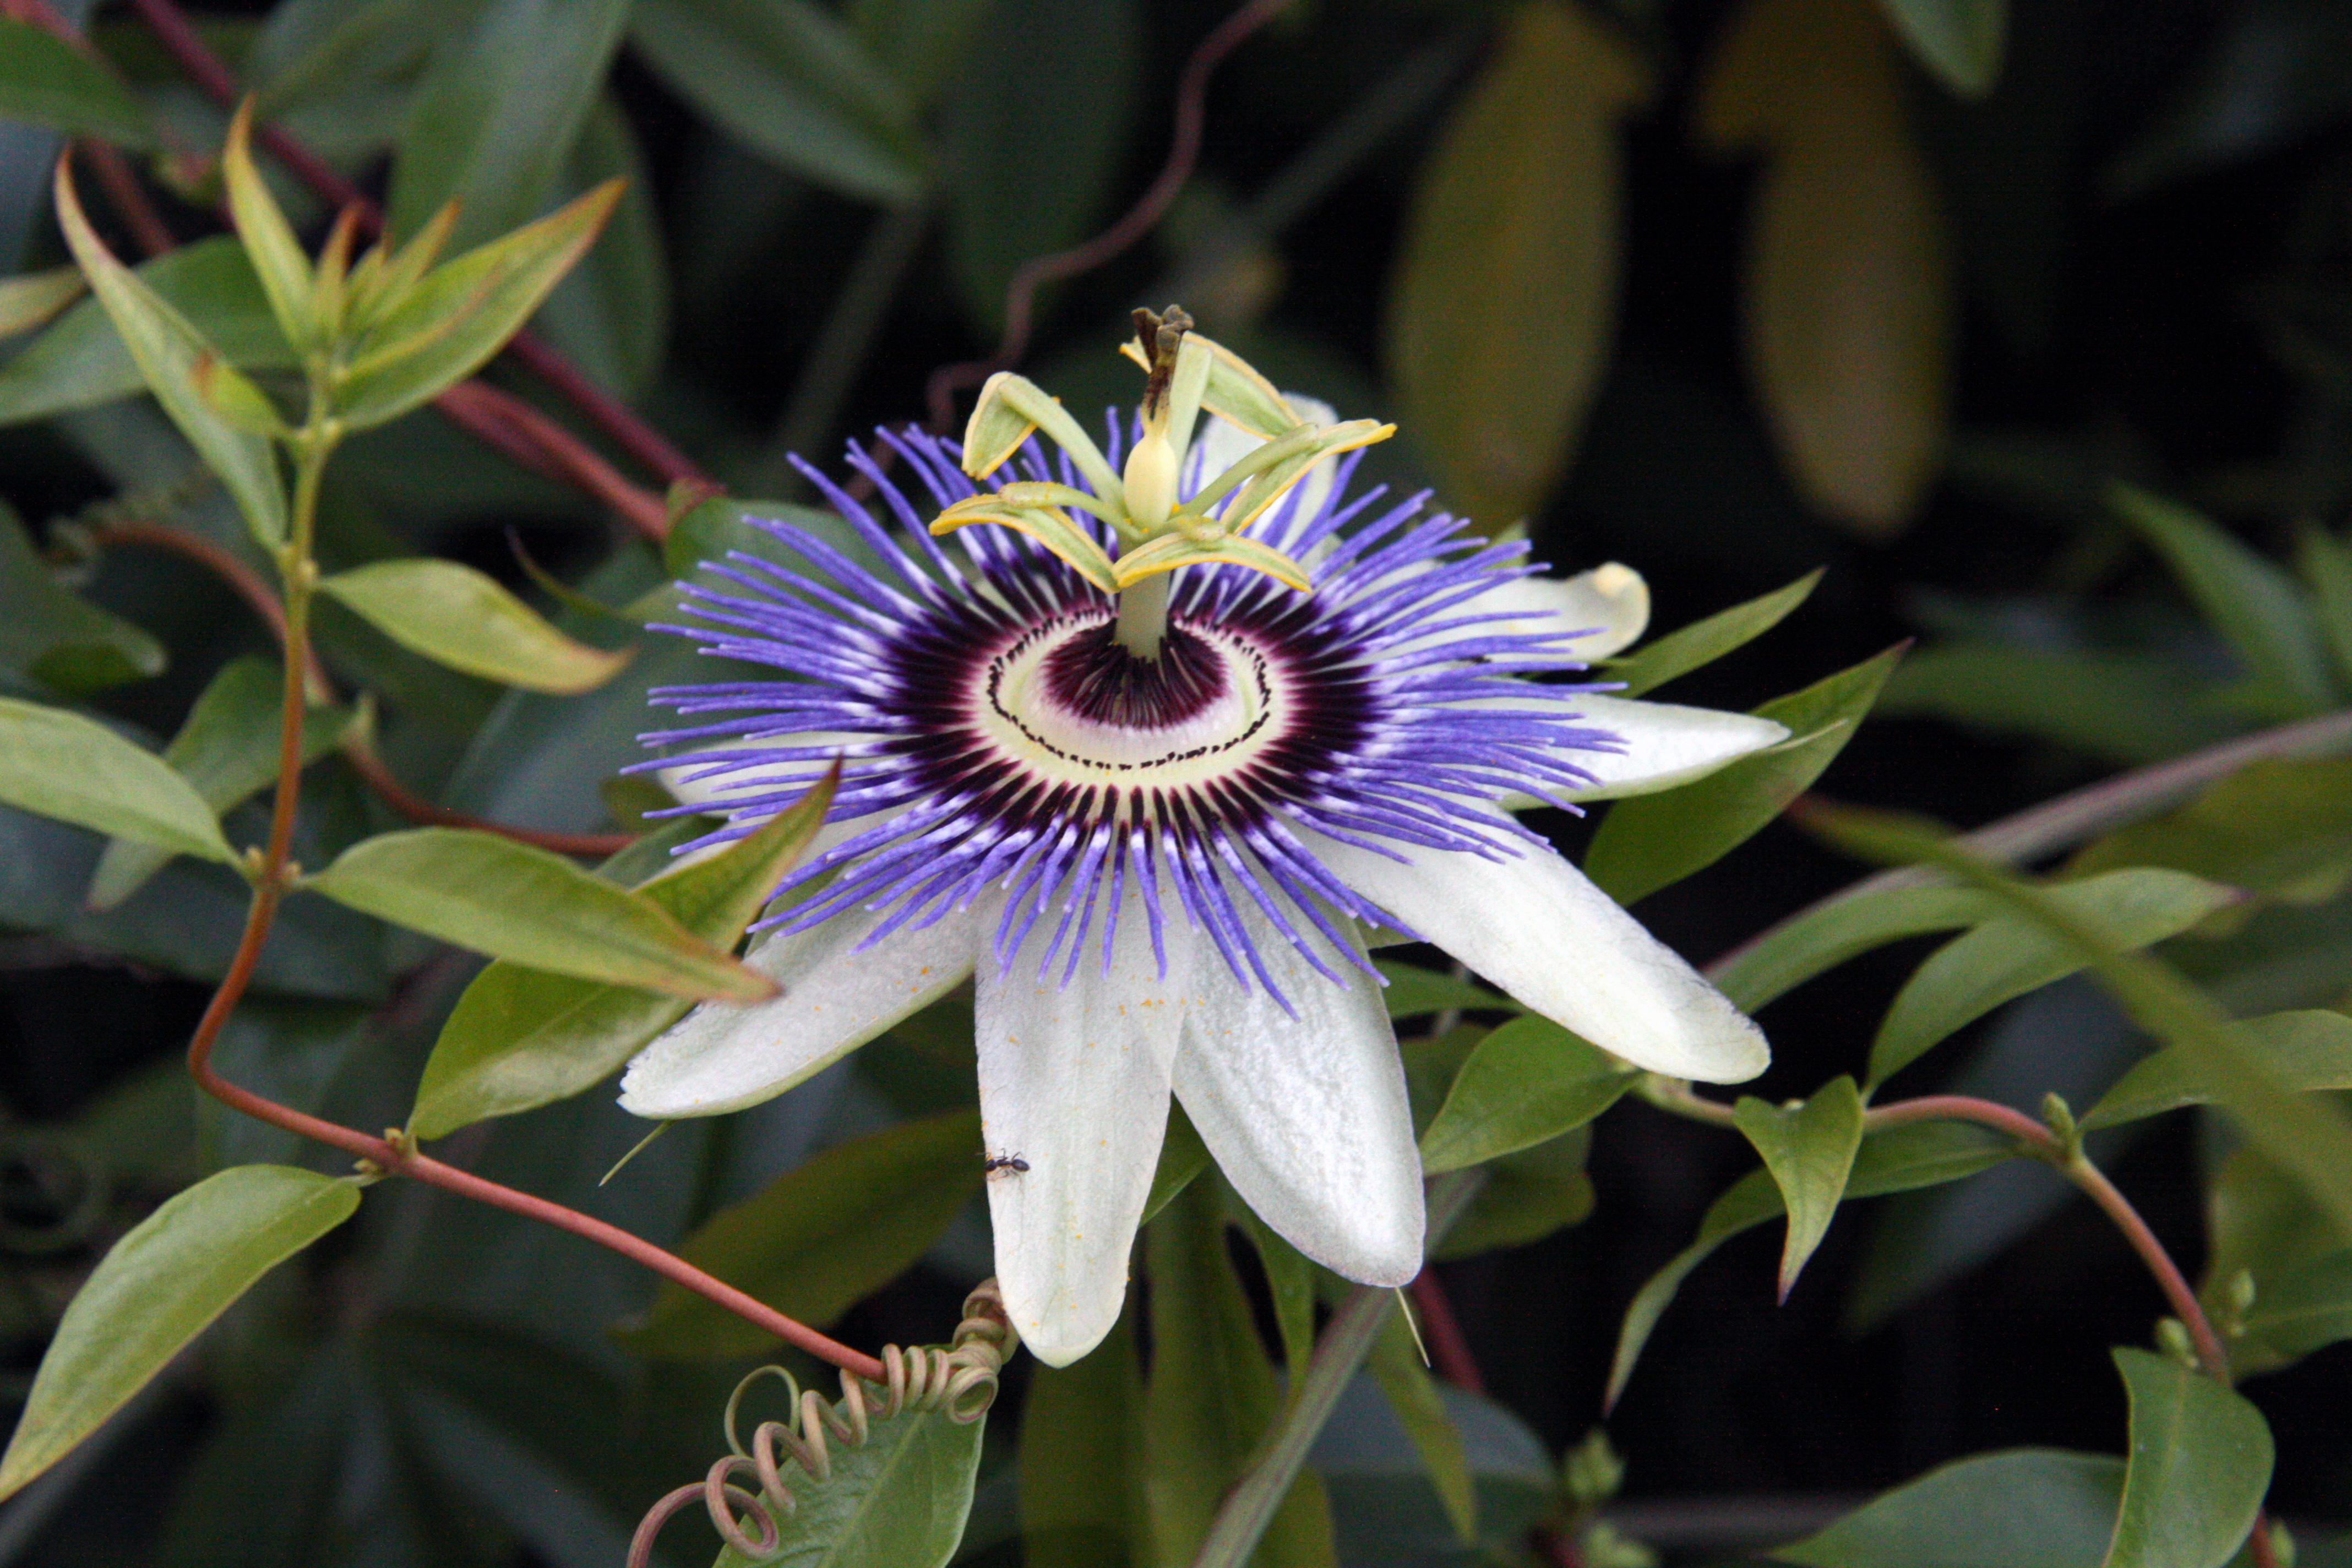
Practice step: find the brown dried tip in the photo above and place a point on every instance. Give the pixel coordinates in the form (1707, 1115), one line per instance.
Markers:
(1160, 335)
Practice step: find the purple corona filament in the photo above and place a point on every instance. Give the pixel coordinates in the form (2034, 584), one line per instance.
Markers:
(993, 733)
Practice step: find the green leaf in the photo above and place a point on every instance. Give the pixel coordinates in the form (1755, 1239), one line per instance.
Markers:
(277, 257)
(2011, 954)
(818, 1240)
(1529, 1081)
(519, 1038)
(2200, 1461)
(1809, 1148)
(158, 1287)
(1396, 1365)
(463, 312)
(1289, 1282)
(498, 111)
(1027, 174)
(2307, 1307)
(1081, 1459)
(456, 616)
(1959, 41)
(516, 901)
(2257, 609)
(2022, 1507)
(790, 82)
(2308, 1051)
(1506, 290)
(33, 299)
(2304, 1134)
(1213, 1396)
(61, 764)
(1524, 1197)
(1825, 936)
(56, 637)
(2128, 708)
(180, 364)
(226, 748)
(2274, 826)
(80, 360)
(1849, 301)
(1899, 1160)
(47, 80)
(1703, 642)
(897, 1501)
(1654, 840)
(922, 42)
(2327, 566)
(1413, 991)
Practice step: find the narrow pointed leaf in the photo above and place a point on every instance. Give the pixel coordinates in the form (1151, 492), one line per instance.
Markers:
(511, 901)
(2011, 954)
(29, 300)
(1505, 291)
(790, 82)
(2327, 566)
(226, 748)
(818, 1240)
(2276, 826)
(1809, 1148)
(1529, 1081)
(2200, 1462)
(47, 80)
(2309, 1050)
(61, 764)
(456, 616)
(1900, 1160)
(1703, 642)
(2022, 1507)
(1653, 840)
(80, 360)
(159, 1287)
(463, 312)
(1824, 937)
(269, 243)
(170, 353)
(521, 1037)
(498, 110)
(2255, 607)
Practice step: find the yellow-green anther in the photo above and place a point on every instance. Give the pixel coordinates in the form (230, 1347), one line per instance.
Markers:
(1037, 492)
(1010, 407)
(1170, 551)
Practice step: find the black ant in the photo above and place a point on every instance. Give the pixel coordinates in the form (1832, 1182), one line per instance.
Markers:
(996, 1165)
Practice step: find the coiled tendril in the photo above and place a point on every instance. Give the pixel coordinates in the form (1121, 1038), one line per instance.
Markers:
(959, 1382)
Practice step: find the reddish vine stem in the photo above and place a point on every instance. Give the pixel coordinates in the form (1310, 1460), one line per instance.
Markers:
(537, 442)
(1183, 150)
(640, 440)
(127, 197)
(250, 585)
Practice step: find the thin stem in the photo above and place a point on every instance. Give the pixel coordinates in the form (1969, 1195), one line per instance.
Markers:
(2069, 819)
(127, 197)
(1183, 149)
(1250, 1507)
(1449, 1348)
(377, 774)
(272, 876)
(533, 439)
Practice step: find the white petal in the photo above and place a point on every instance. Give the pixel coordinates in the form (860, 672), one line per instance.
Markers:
(835, 998)
(1533, 925)
(1665, 745)
(1306, 1115)
(1609, 603)
(1074, 1083)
